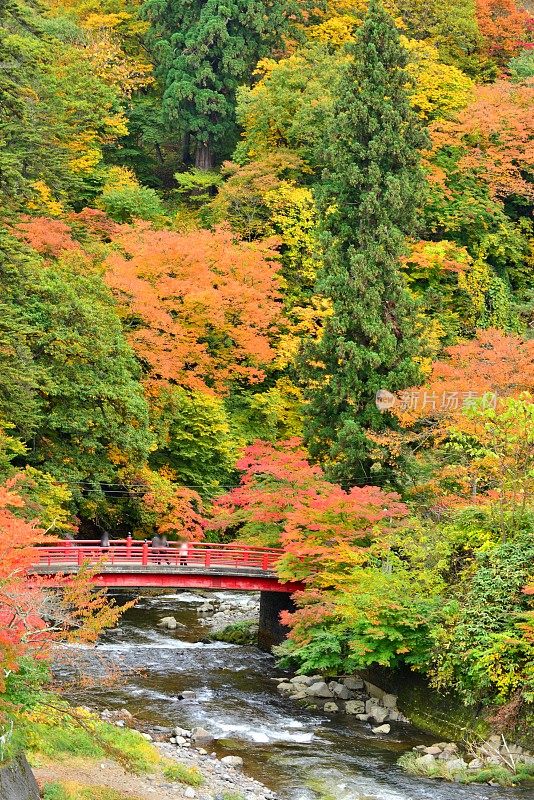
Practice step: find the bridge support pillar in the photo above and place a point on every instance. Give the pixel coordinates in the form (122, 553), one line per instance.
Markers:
(271, 631)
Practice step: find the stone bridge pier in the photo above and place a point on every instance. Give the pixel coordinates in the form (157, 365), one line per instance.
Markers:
(271, 631)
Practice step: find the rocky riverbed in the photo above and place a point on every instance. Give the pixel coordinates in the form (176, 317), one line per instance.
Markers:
(181, 677)
(223, 777)
(349, 695)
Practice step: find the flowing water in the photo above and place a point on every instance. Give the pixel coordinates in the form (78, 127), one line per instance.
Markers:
(299, 754)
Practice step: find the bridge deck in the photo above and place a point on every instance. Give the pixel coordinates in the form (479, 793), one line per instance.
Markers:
(132, 564)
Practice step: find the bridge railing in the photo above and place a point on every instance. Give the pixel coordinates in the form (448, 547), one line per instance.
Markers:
(122, 552)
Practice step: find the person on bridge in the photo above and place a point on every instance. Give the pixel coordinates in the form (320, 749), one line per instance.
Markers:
(165, 547)
(156, 547)
(104, 541)
(184, 552)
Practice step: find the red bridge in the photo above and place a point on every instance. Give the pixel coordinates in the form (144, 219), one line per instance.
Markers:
(128, 563)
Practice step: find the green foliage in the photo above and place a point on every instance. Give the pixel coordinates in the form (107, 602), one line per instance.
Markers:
(381, 614)
(494, 775)
(368, 201)
(453, 28)
(197, 186)
(24, 688)
(194, 439)
(179, 772)
(58, 734)
(480, 650)
(127, 203)
(522, 66)
(205, 51)
(83, 397)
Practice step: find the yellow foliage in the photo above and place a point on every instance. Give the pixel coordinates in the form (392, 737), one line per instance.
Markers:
(120, 178)
(44, 201)
(440, 90)
(116, 126)
(336, 31)
(95, 20)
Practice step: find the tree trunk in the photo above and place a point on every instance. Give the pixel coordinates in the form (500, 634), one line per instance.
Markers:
(204, 156)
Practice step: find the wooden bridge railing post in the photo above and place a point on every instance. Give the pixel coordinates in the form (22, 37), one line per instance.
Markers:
(144, 554)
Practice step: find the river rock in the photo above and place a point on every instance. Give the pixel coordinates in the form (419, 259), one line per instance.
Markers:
(206, 608)
(353, 683)
(389, 701)
(319, 689)
(232, 761)
(339, 690)
(434, 750)
(354, 707)
(456, 764)
(382, 729)
(331, 707)
(476, 763)
(168, 622)
(180, 741)
(377, 713)
(182, 732)
(299, 695)
(285, 688)
(200, 735)
(374, 691)
(306, 680)
(190, 792)
(362, 717)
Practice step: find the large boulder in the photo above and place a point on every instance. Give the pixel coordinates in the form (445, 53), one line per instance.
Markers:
(339, 690)
(377, 713)
(353, 683)
(381, 729)
(168, 622)
(355, 707)
(201, 736)
(17, 781)
(319, 689)
(232, 761)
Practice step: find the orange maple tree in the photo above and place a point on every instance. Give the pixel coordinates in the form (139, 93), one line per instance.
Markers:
(48, 236)
(200, 306)
(505, 27)
(494, 135)
(493, 362)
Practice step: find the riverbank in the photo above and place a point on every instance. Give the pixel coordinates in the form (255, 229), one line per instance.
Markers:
(105, 757)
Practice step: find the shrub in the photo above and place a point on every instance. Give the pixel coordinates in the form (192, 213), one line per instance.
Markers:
(55, 733)
(179, 772)
(127, 203)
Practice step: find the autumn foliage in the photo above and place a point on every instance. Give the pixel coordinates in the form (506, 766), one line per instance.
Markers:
(494, 137)
(33, 613)
(284, 500)
(201, 306)
(505, 27)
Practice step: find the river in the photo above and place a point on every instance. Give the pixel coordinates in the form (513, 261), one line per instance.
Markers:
(297, 753)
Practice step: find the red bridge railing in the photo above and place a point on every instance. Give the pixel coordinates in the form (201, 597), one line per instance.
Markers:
(122, 552)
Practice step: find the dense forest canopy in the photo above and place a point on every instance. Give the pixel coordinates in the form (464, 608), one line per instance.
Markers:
(267, 273)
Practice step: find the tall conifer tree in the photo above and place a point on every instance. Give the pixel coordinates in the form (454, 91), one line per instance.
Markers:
(369, 197)
(205, 51)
